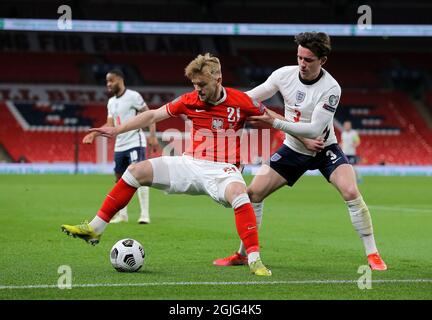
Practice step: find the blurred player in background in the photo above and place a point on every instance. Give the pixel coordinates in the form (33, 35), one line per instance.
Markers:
(210, 166)
(350, 140)
(311, 96)
(130, 147)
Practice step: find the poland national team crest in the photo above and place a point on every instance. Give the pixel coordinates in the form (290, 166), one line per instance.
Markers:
(217, 124)
(300, 96)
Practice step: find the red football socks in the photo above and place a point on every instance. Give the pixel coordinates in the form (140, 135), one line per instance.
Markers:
(246, 227)
(118, 198)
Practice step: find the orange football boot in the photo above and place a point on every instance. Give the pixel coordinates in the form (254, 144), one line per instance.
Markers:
(234, 260)
(376, 262)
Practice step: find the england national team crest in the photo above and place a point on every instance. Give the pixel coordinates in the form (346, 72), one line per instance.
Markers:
(275, 157)
(300, 96)
(217, 124)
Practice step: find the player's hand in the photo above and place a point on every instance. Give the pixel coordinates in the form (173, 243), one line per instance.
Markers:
(314, 144)
(109, 132)
(88, 138)
(153, 142)
(268, 117)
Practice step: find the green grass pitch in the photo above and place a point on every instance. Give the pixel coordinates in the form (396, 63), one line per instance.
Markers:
(306, 239)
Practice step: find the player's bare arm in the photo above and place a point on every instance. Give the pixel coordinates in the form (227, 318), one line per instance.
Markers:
(141, 120)
(88, 138)
(152, 140)
(264, 120)
(268, 117)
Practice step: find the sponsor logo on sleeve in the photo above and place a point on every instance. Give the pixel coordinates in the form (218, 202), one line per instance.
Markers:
(329, 108)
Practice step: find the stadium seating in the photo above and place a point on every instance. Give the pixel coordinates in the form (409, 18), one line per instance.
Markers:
(42, 67)
(42, 143)
(402, 136)
(371, 69)
(168, 69)
(391, 129)
(55, 115)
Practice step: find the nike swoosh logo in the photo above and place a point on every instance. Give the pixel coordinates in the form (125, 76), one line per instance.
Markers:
(250, 228)
(197, 110)
(335, 160)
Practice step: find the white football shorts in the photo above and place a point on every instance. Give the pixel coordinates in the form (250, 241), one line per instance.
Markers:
(188, 175)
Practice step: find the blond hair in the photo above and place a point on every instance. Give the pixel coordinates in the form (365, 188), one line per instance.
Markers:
(206, 64)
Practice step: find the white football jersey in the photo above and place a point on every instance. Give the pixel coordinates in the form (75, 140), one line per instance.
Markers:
(301, 99)
(349, 138)
(122, 109)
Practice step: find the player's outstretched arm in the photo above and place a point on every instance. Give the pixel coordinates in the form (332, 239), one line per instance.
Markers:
(144, 119)
(315, 144)
(268, 117)
(151, 139)
(88, 138)
(319, 122)
(263, 92)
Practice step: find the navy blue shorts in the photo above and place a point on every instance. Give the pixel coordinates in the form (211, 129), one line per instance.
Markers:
(352, 159)
(124, 158)
(292, 165)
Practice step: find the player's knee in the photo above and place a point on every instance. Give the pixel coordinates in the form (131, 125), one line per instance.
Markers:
(142, 171)
(234, 190)
(132, 168)
(237, 190)
(350, 193)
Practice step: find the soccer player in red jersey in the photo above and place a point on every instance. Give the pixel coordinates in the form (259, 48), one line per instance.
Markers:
(210, 166)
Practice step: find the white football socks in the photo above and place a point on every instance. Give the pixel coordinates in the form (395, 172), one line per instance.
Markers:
(123, 212)
(253, 256)
(360, 218)
(143, 196)
(258, 208)
(362, 223)
(240, 200)
(98, 224)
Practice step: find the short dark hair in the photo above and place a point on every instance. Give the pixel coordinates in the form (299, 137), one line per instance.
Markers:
(317, 42)
(118, 73)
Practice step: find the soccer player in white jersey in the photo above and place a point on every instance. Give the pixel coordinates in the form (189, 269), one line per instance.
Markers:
(210, 165)
(130, 147)
(311, 96)
(350, 140)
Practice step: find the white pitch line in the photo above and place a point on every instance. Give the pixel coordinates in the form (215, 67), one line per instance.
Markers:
(401, 209)
(205, 283)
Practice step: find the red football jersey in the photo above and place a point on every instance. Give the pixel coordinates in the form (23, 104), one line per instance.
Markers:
(216, 129)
